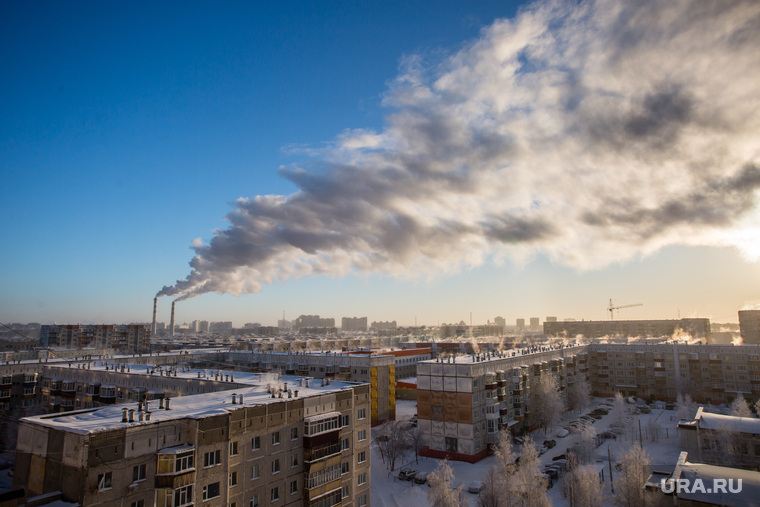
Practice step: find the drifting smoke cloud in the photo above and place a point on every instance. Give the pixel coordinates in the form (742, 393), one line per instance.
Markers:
(589, 132)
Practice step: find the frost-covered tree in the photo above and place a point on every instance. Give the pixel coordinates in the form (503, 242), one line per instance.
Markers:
(740, 407)
(441, 493)
(634, 471)
(529, 484)
(492, 494)
(586, 445)
(578, 395)
(505, 467)
(618, 411)
(581, 485)
(392, 443)
(546, 404)
(757, 407)
(686, 407)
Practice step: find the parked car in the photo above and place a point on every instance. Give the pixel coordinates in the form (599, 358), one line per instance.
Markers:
(561, 456)
(608, 435)
(420, 478)
(474, 487)
(550, 443)
(562, 433)
(407, 474)
(645, 409)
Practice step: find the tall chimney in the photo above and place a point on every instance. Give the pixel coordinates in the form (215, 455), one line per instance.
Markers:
(171, 322)
(153, 327)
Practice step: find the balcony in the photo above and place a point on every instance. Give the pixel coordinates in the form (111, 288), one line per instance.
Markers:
(324, 451)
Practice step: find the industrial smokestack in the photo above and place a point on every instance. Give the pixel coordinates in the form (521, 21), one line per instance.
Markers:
(153, 327)
(171, 323)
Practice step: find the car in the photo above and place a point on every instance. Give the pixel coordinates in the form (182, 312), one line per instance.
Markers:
(474, 487)
(670, 406)
(542, 450)
(608, 435)
(562, 433)
(407, 474)
(420, 478)
(645, 409)
(550, 443)
(561, 456)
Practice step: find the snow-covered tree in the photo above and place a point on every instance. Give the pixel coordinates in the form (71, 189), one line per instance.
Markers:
(441, 494)
(392, 443)
(578, 395)
(492, 494)
(505, 467)
(740, 407)
(686, 407)
(757, 407)
(629, 485)
(529, 484)
(618, 411)
(586, 445)
(546, 404)
(581, 485)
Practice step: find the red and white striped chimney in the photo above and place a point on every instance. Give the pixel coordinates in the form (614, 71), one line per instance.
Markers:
(171, 324)
(153, 327)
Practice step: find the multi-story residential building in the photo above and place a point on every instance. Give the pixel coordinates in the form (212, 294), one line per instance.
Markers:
(708, 373)
(125, 338)
(354, 324)
(697, 328)
(718, 439)
(749, 325)
(313, 321)
(463, 401)
(377, 369)
(272, 444)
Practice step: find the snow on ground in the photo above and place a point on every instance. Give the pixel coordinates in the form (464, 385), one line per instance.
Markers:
(389, 491)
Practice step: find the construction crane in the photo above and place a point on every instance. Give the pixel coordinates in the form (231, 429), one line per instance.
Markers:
(612, 308)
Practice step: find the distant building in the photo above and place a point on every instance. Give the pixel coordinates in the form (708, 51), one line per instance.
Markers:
(749, 323)
(220, 327)
(125, 338)
(354, 324)
(313, 321)
(535, 323)
(251, 325)
(697, 328)
(500, 321)
(551, 319)
(520, 323)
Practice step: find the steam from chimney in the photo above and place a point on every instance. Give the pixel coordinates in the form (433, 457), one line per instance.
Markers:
(590, 132)
(171, 322)
(153, 326)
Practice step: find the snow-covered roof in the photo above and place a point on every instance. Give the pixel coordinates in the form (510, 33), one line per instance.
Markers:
(710, 421)
(196, 406)
(748, 493)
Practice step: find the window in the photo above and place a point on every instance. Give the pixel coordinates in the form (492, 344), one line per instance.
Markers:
(294, 461)
(139, 503)
(233, 448)
(294, 433)
(275, 466)
(361, 457)
(184, 462)
(255, 472)
(255, 443)
(138, 473)
(293, 487)
(344, 444)
(233, 479)
(212, 458)
(346, 420)
(362, 413)
(362, 501)
(362, 434)
(104, 481)
(182, 496)
(344, 468)
(344, 492)
(276, 438)
(451, 444)
(211, 491)
(362, 479)
(275, 494)
(254, 501)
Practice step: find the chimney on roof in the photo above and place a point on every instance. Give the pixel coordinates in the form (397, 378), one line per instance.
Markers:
(131, 415)
(166, 405)
(124, 415)
(161, 403)
(234, 398)
(241, 399)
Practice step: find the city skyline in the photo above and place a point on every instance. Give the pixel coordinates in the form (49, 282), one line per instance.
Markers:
(401, 162)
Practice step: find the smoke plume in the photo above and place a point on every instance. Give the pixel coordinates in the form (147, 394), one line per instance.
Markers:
(590, 132)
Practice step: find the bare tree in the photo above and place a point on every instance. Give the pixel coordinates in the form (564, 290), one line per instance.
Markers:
(618, 411)
(581, 485)
(441, 494)
(530, 484)
(578, 395)
(629, 485)
(415, 441)
(546, 404)
(740, 407)
(392, 443)
(653, 430)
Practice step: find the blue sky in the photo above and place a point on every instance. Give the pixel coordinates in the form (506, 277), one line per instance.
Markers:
(130, 129)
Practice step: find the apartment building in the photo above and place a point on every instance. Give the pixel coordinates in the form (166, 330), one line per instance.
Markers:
(708, 373)
(376, 369)
(463, 401)
(273, 444)
(697, 328)
(749, 325)
(126, 338)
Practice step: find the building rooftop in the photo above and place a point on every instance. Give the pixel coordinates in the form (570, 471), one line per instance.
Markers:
(193, 407)
(710, 421)
(745, 483)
